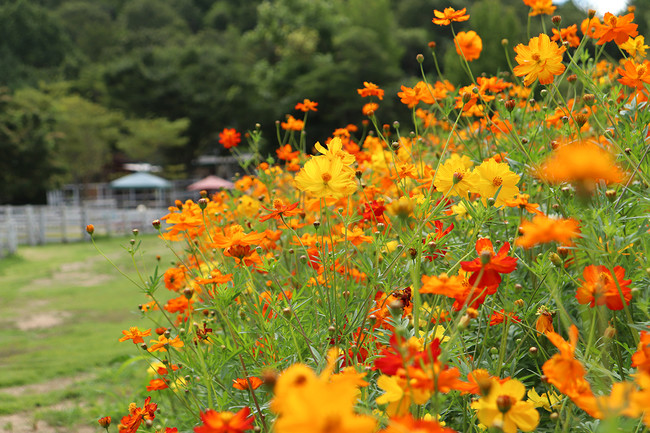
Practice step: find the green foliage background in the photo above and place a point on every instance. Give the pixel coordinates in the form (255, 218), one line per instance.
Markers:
(89, 82)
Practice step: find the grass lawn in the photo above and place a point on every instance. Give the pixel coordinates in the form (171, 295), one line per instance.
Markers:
(62, 310)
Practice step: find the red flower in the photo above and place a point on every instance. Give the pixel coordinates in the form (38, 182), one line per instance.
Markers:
(488, 266)
(229, 137)
(499, 316)
(432, 239)
(601, 287)
(225, 422)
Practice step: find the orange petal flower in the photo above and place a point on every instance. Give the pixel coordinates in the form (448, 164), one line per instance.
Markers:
(371, 89)
(488, 266)
(617, 29)
(543, 230)
(244, 383)
(229, 137)
(541, 59)
(600, 287)
(641, 358)
(449, 15)
(225, 422)
(468, 45)
(135, 334)
(307, 105)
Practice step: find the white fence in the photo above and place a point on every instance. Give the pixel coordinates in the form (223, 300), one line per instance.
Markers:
(35, 225)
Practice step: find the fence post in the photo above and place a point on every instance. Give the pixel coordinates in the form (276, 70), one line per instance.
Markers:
(64, 225)
(31, 230)
(41, 225)
(84, 222)
(12, 235)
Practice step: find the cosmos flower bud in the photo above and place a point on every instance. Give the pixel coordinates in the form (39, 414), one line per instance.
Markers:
(510, 104)
(419, 58)
(156, 224)
(555, 259)
(504, 403)
(105, 421)
(556, 20)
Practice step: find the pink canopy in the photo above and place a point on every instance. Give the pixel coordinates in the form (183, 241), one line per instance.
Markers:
(211, 183)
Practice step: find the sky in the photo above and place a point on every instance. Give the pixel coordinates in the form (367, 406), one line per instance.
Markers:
(602, 6)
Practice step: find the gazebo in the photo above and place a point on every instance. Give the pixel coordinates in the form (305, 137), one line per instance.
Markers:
(141, 188)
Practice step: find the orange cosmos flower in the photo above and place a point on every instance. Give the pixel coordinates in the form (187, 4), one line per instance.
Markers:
(409, 96)
(584, 163)
(541, 59)
(307, 105)
(468, 45)
(521, 201)
(569, 34)
(544, 323)
(163, 343)
(157, 385)
(500, 316)
(135, 334)
(543, 230)
(292, 124)
(617, 29)
(567, 373)
(247, 383)
(540, 7)
(369, 109)
(131, 422)
(588, 26)
(229, 137)
(225, 422)
(104, 422)
(488, 266)
(601, 287)
(407, 423)
(371, 89)
(285, 153)
(641, 358)
(634, 74)
(280, 210)
(449, 15)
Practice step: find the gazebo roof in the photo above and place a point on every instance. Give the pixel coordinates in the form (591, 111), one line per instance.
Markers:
(211, 183)
(140, 180)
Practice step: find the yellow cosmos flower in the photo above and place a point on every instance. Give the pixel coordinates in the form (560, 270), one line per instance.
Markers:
(635, 46)
(496, 177)
(335, 151)
(548, 400)
(455, 178)
(503, 408)
(323, 176)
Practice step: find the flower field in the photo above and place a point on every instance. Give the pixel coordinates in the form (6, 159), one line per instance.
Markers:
(484, 268)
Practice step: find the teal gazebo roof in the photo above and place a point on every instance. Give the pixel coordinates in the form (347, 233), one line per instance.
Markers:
(140, 180)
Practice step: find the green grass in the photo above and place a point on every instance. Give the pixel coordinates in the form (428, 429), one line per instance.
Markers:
(87, 303)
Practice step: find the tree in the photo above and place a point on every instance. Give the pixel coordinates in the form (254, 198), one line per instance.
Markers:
(28, 167)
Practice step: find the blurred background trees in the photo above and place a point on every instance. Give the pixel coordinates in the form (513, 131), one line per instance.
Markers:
(86, 83)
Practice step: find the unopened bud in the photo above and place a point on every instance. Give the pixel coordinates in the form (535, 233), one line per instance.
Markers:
(156, 224)
(555, 259)
(581, 119)
(518, 287)
(519, 303)
(504, 42)
(589, 99)
(610, 194)
(556, 20)
(188, 293)
(591, 13)
(510, 104)
(504, 403)
(419, 58)
(533, 351)
(203, 203)
(432, 45)
(90, 229)
(464, 322)
(610, 332)
(105, 421)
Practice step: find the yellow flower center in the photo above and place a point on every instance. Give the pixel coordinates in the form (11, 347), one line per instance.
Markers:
(536, 57)
(497, 181)
(612, 21)
(604, 278)
(326, 177)
(277, 203)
